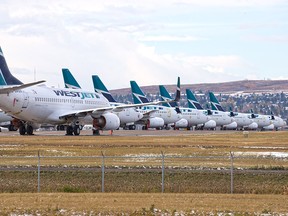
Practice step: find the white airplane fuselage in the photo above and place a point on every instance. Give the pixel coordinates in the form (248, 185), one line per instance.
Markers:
(278, 122)
(263, 121)
(41, 104)
(128, 115)
(221, 118)
(242, 119)
(168, 114)
(194, 117)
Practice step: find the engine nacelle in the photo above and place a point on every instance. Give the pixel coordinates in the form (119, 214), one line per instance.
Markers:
(210, 124)
(182, 123)
(230, 126)
(269, 127)
(155, 122)
(253, 126)
(107, 121)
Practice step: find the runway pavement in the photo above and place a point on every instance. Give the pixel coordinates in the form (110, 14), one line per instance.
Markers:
(121, 132)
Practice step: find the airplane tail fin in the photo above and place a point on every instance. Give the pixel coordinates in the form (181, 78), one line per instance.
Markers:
(192, 101)
(215, 103)
(2, 79)
(231, 112)
(10, 79)
(69, 80)
(272, 115)
(138, 95)
(100, 88)
(165, 96)
(252, 114)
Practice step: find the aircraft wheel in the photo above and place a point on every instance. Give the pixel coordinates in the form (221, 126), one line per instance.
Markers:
(11, 128)
(22, 130)
(29, 130)
(96, 132)
(69, 130)
(76, 130)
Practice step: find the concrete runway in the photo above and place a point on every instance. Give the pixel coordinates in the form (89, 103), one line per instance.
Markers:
(120, 132)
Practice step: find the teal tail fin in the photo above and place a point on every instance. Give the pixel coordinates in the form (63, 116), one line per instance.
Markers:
(165, 96)
(9, 78)
(69, 80)
(138, 95)
(192, 101)
(215, 103)
(2, 79)
(99, 87)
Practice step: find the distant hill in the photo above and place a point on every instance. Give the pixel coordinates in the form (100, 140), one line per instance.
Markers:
(245, 86)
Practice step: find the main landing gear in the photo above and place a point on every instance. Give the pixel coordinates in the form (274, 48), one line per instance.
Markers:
(26, 129)
(73, 130)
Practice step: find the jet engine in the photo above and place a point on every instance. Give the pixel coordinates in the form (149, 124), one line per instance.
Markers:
(269, 127)
(210, 124)
(182, 123)
(231, 126)
(107, 121)
(155, 122)
(253, 126)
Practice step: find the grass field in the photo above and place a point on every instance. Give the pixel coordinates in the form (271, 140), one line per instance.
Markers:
(190, 191)
(141, 204)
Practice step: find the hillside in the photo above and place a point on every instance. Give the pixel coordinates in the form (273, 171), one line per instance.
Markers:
(246, 86)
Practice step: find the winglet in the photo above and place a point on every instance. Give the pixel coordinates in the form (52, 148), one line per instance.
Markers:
(178, 91)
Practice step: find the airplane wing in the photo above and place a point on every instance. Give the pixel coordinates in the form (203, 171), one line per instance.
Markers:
(9, 89)
(97, 112)
(125, 106)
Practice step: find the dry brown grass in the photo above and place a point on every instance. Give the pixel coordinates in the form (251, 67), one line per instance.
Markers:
(184, 143)
(140, 203)
(181, 143)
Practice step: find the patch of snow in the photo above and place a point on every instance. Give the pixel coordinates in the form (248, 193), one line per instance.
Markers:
(263, 154)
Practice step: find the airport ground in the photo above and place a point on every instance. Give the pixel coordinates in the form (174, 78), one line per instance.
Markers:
(263, 188)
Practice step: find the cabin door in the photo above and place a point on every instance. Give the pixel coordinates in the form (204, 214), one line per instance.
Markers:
(25, 100)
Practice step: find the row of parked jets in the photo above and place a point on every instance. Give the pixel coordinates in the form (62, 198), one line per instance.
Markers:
(30, 105)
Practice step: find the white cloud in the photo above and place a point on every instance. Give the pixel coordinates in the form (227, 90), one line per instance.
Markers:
(108, 38)
(170, 38)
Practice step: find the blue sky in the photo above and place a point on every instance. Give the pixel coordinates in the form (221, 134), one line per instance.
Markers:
(151, 42)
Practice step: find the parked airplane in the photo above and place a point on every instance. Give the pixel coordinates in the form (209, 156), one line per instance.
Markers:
(148, 120)
(243, 120)
(127, 116)
(6, 120)
(193, 117)
(264, 122)
(37, 104)
(277, 121)
(220, 118)
(169, 115)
